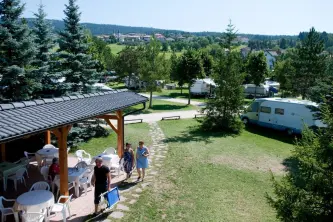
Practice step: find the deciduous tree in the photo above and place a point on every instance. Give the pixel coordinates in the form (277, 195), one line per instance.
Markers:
(153, 67)
(256, 68)
(189, 69)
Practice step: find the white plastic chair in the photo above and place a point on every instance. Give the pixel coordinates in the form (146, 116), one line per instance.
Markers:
(18, 176)
(33, 216)
(24, 162)
(80, 154)
(62, 207)
(40, 186)
(45, 172)
(56, 182)
(5, 211)
(117, 164)
(39, 160)
(47, 146)
(85, 181)
(110, 150)
(81, 164)
(30, 156)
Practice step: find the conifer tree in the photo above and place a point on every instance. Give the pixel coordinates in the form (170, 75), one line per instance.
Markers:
(306, 192)
(76, 65)
(227, 74)
(17, 52)
(45, 42)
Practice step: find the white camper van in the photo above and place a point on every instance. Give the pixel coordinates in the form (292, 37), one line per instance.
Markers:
(251, 90)
(288, 115)
(202, 87)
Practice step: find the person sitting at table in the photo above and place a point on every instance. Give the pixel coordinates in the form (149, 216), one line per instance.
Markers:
(54, 168)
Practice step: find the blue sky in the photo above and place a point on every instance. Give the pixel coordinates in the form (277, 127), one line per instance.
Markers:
(249, 16)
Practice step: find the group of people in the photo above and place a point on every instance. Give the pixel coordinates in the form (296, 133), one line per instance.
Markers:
(102, 177)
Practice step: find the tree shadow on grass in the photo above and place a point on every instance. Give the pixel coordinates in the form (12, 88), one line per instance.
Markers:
(272, 134)
(196, 134)
(168, 107)
(291, 165)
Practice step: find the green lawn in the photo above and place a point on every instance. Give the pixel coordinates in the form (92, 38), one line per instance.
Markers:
(133, 134)
(213, 177)
(115, 48)
(175, 93)
(163, 106)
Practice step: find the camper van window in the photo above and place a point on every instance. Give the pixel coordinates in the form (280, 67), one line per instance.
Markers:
(265, 109)
(279, 111)
(253, 108)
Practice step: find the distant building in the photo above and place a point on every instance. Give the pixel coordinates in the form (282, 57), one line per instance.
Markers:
(146, 38)
(271, 58)
(170, 39)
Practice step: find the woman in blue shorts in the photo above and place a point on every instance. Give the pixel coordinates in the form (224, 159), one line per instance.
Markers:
(142, 154)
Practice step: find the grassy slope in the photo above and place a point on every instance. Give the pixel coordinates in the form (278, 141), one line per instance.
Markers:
(115, 48)
(211, 177)
(133, 134)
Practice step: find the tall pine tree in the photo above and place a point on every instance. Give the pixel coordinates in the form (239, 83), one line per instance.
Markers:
(309, 63)
(76, 65)
(222, 110)
(17, 52)
(45, 42)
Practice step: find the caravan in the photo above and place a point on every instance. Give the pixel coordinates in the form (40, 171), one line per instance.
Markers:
(203, 87)
(288, 115)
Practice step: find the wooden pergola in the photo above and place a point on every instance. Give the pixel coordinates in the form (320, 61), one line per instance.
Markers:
(22, 119)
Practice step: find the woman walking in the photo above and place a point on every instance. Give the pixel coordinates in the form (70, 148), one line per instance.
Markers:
(142, 154)
(128, 160)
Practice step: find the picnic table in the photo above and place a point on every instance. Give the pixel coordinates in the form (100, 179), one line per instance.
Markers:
(74, 175)
(6, 169)
(33, 201)
(106, 158)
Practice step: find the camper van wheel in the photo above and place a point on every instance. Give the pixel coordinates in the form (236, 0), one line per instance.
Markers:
(245, 121)
(290, 132)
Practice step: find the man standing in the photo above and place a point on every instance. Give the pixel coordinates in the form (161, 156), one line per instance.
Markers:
(101, 180)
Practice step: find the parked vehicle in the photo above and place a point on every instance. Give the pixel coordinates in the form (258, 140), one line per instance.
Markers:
(203, 87)
(288, 115)
(251, 90)
(273, 84)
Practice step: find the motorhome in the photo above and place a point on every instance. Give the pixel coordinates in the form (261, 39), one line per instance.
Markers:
(203, 87)
(251, 90)
(288, 115)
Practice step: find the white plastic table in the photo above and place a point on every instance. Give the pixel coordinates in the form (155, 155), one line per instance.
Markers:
(33, 201)
(106, 158)
(75, 176)
(6, 169)
(48, 152)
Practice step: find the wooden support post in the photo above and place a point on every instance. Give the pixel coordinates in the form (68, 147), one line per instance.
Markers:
(61, 134)
(48, 137)
(120, 134)
(3, 151)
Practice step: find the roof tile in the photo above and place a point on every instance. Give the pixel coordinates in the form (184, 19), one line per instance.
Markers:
(40, 115)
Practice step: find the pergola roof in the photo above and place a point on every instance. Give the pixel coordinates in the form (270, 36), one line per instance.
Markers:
(20, 119)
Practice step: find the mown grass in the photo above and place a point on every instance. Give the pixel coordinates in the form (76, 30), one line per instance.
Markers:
(115, 48)
(213, 177)
(133, 134)
(162, 106)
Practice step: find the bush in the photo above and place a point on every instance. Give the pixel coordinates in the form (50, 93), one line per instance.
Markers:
(80, 134)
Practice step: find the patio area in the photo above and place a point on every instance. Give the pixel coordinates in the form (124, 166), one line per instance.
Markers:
(56, 116)
(80, 206)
